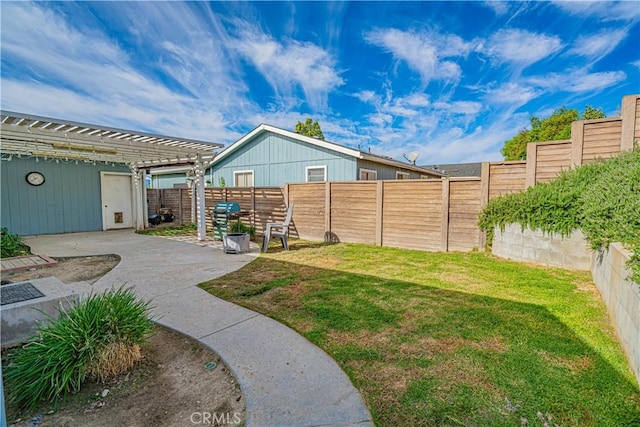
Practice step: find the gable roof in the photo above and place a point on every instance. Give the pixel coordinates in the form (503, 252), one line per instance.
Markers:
(456, 169)
(323, 144)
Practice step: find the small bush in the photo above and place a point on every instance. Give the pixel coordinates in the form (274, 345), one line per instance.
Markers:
(602, 199)
(98, 337)
(238, 227)
(12, 244)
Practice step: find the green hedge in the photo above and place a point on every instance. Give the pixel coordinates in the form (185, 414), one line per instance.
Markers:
(602, 199)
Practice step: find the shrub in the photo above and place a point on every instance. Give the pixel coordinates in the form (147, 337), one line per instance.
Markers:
(98, 337)
(12, 244)
(602, 199)
(238, 227)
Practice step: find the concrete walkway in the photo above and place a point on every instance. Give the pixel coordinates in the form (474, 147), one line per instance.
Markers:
(285, 379)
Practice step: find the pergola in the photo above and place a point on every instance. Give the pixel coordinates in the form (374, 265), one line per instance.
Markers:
(26, 136)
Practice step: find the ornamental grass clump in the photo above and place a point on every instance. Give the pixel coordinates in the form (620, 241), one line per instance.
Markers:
(99, 337)
(12, 244)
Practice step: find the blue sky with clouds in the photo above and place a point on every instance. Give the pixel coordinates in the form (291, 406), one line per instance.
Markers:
(451, 80)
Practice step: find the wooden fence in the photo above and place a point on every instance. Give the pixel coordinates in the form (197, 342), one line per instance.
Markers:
(416, 214)
(263, 204)
(176, 199)
(439, 215)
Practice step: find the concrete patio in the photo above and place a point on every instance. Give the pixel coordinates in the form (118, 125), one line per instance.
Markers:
(285, 379)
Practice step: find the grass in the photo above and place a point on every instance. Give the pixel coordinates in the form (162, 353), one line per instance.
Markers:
(449, 339)
(12, 245)
(174, 230)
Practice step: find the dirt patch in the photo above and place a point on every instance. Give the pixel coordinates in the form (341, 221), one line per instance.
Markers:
(170, 387)
(69, 270)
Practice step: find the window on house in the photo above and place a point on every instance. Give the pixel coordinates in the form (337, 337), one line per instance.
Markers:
(316, 173)
(243, 178)
(402, 175)
(368, 175)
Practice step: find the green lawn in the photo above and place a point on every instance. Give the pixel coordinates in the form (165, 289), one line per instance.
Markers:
(449, 339)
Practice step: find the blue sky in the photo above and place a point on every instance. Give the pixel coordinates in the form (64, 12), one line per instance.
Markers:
(451, 80)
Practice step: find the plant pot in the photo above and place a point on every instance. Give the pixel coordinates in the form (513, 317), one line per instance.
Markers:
(235, 243)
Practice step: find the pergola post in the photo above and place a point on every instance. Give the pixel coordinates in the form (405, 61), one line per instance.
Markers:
(138, 197)
(202, 224)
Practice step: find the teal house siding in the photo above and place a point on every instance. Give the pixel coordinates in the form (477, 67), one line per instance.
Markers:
(167, 180)
(68, 201)
(276, 160)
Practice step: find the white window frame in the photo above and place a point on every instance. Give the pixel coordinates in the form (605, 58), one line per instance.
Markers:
(306, 172)
(374, 172)
(235, 177)
(407, 175)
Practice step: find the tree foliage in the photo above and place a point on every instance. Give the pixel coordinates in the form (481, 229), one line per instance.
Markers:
(309, 128)
(555, 127)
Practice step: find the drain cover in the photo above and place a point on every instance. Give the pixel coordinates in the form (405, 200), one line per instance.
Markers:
(10, 294)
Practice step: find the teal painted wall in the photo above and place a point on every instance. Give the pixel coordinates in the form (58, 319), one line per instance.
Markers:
(167, 180)
(277, 160)
(385, 171)
(68, 201)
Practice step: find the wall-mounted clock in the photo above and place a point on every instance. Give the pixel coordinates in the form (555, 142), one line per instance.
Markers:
(35, 178)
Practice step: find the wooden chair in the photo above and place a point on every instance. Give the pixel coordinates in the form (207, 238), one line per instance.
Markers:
(278, 229)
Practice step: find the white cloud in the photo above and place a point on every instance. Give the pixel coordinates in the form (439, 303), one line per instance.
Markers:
(289, 65)
(459, 107)
(604, 10)
(511, 94)
(499, 7)
(417, 100)
(577, 81)
(596, 46)
(424, 52)
(81, 74)
(520, 47)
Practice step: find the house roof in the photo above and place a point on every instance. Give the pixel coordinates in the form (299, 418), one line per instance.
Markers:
(36, 136)
(456, 169)
(324, 144)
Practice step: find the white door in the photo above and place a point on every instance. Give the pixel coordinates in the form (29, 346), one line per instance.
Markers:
(117, 204)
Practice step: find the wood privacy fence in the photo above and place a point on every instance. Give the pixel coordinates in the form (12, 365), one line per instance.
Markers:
(264, 204)
(176, 199)
(417, 214)
(439, 215)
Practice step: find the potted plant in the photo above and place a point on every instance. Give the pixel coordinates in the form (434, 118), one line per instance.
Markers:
(237, 240)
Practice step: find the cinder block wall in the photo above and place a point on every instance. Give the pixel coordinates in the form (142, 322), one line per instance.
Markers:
(537, 247)
(622, 298)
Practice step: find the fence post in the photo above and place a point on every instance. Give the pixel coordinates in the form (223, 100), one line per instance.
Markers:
(327, 211)
(444, 231)
(286, 196)
(485, 182)
(192, 195)
(577, 140)
(180, 206)
(532, 165)
(628, 116)
(253, 207)
(379, 212)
